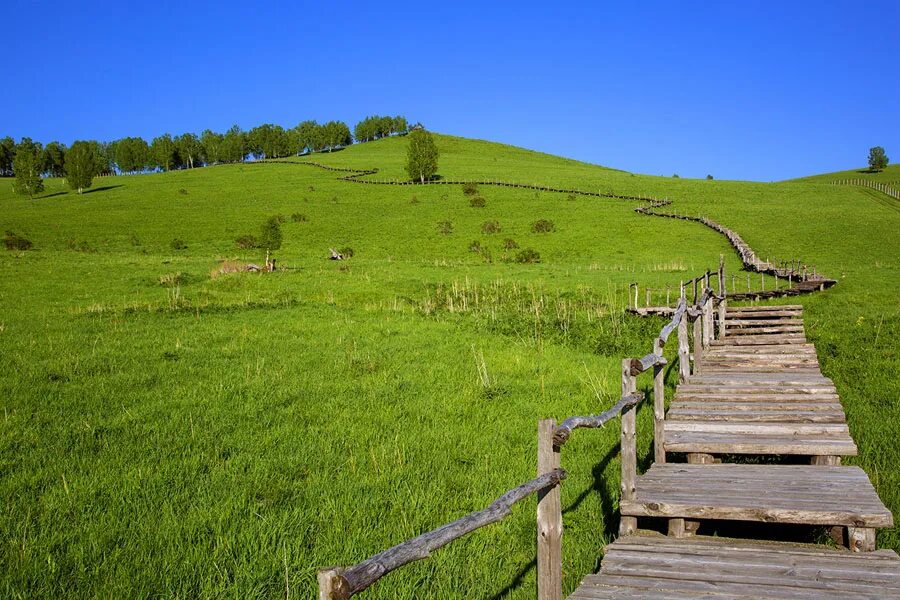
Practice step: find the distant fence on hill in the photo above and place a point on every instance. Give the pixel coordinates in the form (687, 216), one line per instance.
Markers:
(355, 176)
(884, 188)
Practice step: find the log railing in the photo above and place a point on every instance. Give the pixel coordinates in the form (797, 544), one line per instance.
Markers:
(341, 583)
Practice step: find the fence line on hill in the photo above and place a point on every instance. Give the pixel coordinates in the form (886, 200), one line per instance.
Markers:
(341, 583)
(884, 188)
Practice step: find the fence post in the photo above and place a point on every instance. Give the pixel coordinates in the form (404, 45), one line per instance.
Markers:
(628, 446)
(331, 585)
(659, 405)
(549, 518)
(684, 350)
(722, 293)
(708, 322)
(697, 331)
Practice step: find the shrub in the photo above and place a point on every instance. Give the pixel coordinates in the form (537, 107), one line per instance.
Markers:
(475, 246)
(80, 246)
(414, 200)
(280, 218)
(13, 241)
(183, 192)
(709, 177)
(445, 227)
(676, 176)
(489, 227)
(470, 189)
(178, 244)
(510, 244)
(134, 240)
(571, 197)
(346, 252)
(477, 202)
(270, 235)
(172, 279)
(528, 256)
(299, 218)
(247, 241)
(543, 226)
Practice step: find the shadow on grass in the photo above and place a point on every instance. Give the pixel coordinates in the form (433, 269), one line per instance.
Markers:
(516, 581)
(53, 195)
(102, 189)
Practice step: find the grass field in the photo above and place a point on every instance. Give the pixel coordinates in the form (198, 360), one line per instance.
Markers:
(168, 433)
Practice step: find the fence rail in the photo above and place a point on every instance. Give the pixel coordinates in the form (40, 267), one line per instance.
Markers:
(341, 583)
(884, 188)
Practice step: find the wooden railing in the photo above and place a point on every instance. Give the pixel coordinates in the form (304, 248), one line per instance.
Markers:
(341, 583)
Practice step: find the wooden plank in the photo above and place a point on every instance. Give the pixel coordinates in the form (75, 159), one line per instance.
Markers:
(837, 430)
(813, 495)
(722, 443)
(657, 567)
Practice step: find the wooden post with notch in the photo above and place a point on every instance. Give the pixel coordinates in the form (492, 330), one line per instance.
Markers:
(331, 585)
(659, 406)
(697, 331)
(628, 449)
(549, 518)
(684, 349)
(722, 295)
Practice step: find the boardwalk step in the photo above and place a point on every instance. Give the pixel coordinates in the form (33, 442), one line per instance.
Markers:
(812, 495)
(767, 314)
(759, 340)
(739, 415)
(755, 437)
(656, 567)
(774, 307)
(754, 323)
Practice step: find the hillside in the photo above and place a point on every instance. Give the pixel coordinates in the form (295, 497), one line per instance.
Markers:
(891, 174)
(169, 432)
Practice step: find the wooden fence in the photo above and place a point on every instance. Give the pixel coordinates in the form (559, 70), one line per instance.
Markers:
(884, 188)
(341, 583)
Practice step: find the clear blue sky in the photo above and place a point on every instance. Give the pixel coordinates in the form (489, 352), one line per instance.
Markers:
(741, 90)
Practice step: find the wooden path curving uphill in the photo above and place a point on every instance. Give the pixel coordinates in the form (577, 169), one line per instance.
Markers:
(755, 391)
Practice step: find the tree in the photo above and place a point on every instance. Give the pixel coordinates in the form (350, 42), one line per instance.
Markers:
(400, 125)
(131, 154)
(53, 159)
(709, 177)
(80, 166)
(270, 236)
(7, 154)
(878, 160)
(308, 136)
(162, 151)
(188, 147)
(212, 146)
(421, 156)
(234, 145)
(27, 167)
(336, 134)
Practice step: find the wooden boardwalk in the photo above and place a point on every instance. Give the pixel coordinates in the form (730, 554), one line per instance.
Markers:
(755, 390)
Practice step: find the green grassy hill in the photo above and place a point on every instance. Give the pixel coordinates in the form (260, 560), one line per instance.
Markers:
(167, 432)
(891, 174)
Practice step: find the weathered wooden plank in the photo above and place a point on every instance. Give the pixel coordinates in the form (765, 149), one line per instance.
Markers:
(654, 567)
(814, 495)
(731, 444)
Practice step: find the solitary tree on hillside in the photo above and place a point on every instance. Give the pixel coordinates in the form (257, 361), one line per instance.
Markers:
(80, 166)
(878, 160)
(421, 156)
(27, 166)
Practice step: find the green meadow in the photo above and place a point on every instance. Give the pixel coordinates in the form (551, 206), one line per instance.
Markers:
(168, 431)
